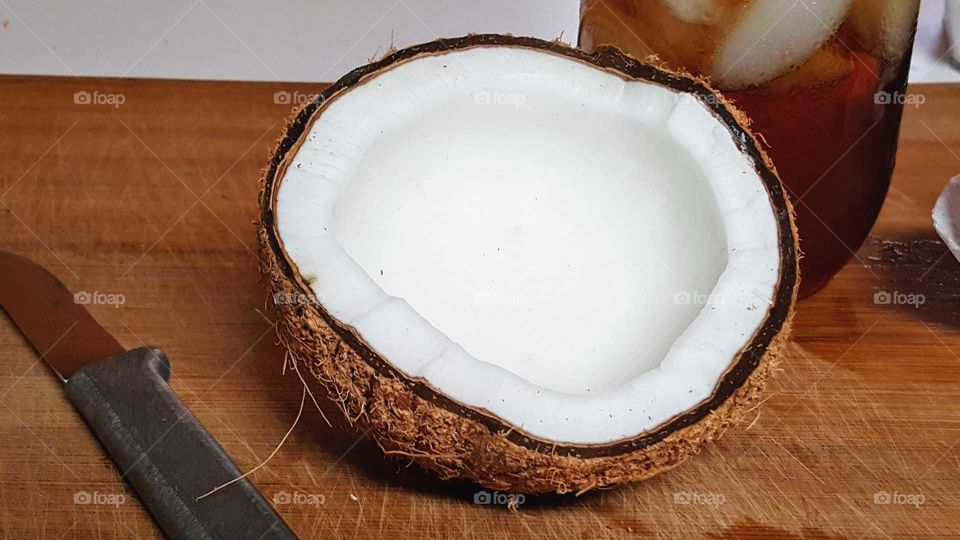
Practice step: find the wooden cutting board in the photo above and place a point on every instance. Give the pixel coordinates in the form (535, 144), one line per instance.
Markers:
(147, 206)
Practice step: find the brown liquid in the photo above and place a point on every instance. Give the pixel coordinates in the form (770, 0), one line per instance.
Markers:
(831, 141)
(834, 150)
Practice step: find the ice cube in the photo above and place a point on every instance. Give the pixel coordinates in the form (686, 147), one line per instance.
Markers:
(830, 63)
(773, 37)
(694, 11)
(884, 26)
(642, 29)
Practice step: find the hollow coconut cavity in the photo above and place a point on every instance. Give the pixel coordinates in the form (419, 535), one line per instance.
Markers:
(520, 264)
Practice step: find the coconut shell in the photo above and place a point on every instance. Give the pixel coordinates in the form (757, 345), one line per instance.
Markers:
(407, 417)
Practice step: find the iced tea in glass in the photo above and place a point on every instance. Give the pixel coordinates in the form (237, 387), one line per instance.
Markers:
(822, 81)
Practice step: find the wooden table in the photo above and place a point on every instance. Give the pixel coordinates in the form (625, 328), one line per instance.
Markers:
(151, 200)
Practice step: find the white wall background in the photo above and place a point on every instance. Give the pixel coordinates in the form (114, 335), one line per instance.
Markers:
(295, 40)
(291, 40)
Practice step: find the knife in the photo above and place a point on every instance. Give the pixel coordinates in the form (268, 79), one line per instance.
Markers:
(159, 446)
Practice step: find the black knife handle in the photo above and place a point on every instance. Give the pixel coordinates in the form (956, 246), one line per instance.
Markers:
(164, 452)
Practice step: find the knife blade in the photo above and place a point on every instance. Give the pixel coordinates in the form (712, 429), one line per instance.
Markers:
(62, 331)
(159, 446)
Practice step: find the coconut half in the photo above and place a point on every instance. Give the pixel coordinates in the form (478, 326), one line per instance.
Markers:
(525, 265)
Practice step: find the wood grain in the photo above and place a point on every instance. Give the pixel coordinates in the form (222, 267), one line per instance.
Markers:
(153, 200)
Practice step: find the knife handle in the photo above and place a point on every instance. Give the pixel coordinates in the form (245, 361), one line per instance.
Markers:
(164, 452)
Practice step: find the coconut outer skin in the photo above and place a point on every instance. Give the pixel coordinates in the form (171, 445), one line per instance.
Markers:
(407, 417)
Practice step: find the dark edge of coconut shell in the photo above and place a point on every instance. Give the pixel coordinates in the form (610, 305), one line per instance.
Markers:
(610, 59)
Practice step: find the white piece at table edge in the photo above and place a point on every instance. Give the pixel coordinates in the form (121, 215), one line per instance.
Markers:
(946, 216)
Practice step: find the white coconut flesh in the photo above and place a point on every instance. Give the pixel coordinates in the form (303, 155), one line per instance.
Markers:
(580, 255)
